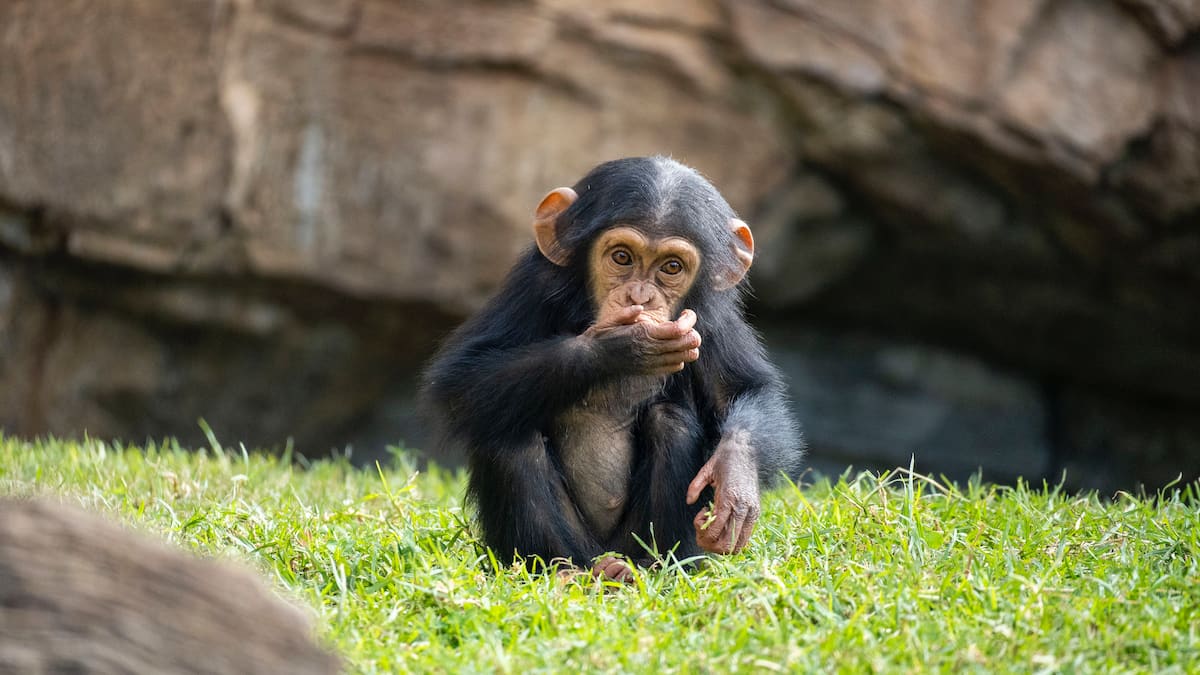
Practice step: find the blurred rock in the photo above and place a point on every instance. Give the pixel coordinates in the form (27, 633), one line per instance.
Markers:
(81, 595)
(127, 355)
(333, 16)
(1170, 20)
(1162, 170)
(878, 404)
(109, 116)
(1108, 443)
(298, 198)
(805, 242)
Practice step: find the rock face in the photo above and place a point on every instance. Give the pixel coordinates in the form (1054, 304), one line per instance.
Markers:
(264, 212)
(81, 595)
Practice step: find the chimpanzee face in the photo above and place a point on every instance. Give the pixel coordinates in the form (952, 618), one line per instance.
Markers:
(628, 267)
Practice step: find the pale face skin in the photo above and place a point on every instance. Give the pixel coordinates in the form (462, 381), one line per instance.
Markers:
(631, 269)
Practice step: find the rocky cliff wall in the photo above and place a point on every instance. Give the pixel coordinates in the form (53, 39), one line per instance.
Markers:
(979, 220)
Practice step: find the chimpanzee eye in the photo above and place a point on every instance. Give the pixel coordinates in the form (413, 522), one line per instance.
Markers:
(622, 257)
(672, 267)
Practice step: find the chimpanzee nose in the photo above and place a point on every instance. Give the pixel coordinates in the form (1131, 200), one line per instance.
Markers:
(640, 293)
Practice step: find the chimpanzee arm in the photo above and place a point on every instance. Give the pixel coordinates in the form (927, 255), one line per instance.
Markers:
(759, 441)
(756, 412)
(499, 398)
(759, 416)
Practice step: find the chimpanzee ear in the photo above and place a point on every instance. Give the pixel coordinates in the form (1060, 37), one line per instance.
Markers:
(743, 252)
(546, 218)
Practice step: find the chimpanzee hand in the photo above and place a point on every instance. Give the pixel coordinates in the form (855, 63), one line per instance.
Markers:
(733, 473)
(635, 343)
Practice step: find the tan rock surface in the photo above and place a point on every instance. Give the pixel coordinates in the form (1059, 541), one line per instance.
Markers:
(366, 169)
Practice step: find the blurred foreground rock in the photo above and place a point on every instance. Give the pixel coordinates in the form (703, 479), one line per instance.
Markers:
(264, 213)
(81, 595)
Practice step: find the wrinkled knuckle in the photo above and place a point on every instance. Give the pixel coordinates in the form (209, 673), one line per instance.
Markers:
(641, 347)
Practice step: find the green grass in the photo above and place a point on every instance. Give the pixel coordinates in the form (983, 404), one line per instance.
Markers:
(864, 573)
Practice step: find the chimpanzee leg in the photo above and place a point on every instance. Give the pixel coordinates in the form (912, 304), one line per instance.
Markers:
(524, 507)
(671, 452)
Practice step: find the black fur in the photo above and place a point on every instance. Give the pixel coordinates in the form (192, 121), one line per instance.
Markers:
(513, 367)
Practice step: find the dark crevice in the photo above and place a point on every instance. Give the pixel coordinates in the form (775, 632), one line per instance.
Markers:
(323, 362)
(512, 67)
(658, 23)
(46, 337)
(1146, 18)
(284, 14)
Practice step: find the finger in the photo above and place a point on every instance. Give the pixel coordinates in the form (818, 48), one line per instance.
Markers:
(624, 316)
(714, 538)
(620, 571)
(723, 543)
(743, 535)
(667, 330)
(675, 359)
(702, 480)
(690, 340)
(686, 320)
(601, 566)
(669, 364)
(613, 568)
(627, 315)
(711, 538)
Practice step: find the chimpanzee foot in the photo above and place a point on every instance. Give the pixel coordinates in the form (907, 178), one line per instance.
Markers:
(613, 568)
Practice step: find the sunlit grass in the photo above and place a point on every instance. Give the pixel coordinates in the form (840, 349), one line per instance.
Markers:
(895, 573)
